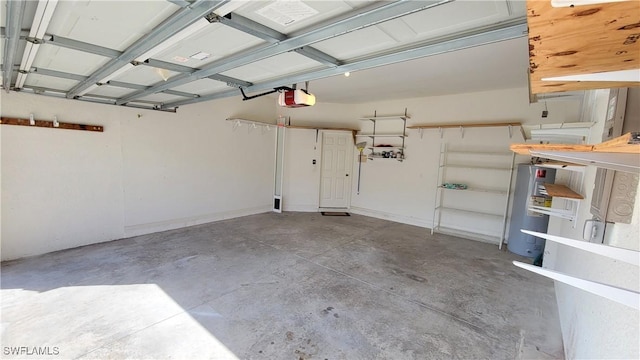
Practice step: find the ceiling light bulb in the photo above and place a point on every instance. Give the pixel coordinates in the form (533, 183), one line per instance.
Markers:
(347, 74)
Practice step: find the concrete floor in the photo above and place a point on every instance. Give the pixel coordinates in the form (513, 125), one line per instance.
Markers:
(280, 286)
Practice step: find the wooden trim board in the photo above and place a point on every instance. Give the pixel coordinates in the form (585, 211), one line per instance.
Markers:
(466, 125)
(50, 124)
(524, 149)
(617, 145)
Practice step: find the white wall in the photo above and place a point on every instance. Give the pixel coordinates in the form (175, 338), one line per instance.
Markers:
(194, 168)
(60, 188)
(594, 327)
(405, 191)
(63, 188)
(301, 188)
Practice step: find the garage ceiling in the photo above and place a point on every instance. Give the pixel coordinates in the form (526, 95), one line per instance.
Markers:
(162, 54)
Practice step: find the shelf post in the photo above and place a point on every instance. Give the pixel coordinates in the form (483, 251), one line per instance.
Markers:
(506, 205)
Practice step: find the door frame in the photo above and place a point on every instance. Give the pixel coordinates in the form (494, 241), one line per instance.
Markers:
(350, 164)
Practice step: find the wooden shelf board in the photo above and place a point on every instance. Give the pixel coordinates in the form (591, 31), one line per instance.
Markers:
(558, 190)
(525, 149)
(465, 125)
(581, 40)
(317, 128)
(617, 145)
(392, 117)
(384, 135)
(49, 124)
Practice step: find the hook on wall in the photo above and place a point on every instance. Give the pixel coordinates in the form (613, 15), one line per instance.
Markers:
(251, 124)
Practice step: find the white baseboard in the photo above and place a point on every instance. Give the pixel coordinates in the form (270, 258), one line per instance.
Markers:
(409, 220)
(148, 228)
(300, 208)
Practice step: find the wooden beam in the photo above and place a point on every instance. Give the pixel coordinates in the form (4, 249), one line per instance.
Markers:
(621, 144)
(524, 149)
(464, 125)
(581, 40)
(50, 124)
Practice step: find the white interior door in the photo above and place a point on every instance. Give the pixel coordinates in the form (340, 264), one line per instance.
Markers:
(335, 177)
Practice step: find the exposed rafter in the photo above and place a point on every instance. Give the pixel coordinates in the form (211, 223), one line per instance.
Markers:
(58, 74)
(167, 66)
(142, 87)
(179, 21)
(467, 39)
(248, 26)
(265, 33)
(15, 11)
(181, 3)
(359, 20)
(318, 56)
(233, 82)
(41, 19)
(80, 46)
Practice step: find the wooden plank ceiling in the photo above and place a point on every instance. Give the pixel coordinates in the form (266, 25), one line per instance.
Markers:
(582, 40)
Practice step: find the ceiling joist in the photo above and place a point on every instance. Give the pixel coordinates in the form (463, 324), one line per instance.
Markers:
(359, 20)
(183, 18)
(15, 11)
(409, 37)
(476, 37)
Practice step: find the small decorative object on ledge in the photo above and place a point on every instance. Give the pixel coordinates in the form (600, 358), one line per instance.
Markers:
(50, 124)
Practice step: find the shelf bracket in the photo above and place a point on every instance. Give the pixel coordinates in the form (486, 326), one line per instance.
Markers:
(421, 133)
(441, 132)
(462, 132)
(510, 132)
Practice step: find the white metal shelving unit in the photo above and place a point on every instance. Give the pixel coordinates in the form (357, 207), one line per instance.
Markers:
(476, 164)
(397, 149)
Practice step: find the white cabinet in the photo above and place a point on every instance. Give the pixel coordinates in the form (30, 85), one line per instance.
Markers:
(386, 137)
(473, 192)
